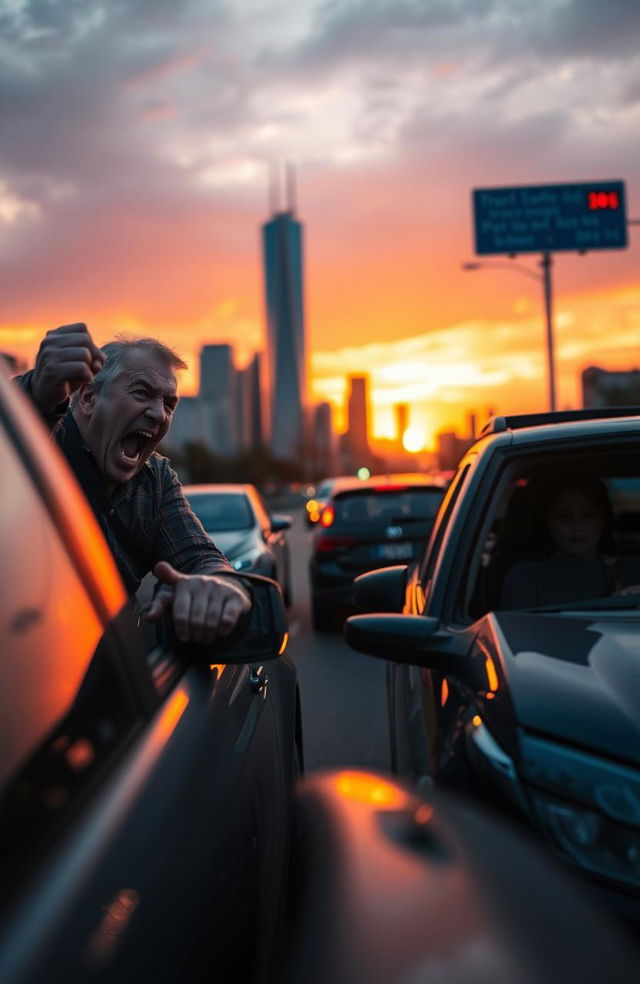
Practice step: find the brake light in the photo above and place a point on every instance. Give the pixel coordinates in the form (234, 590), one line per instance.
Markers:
(390, 488)
(334, 544)
(327, 517)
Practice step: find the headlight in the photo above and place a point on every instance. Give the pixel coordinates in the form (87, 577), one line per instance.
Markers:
(245, 561)
(592, 841)
(595, 816)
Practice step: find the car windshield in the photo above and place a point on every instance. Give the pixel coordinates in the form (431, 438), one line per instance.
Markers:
(403, 506)
(562, 536)
(222, 511)
(324, 490)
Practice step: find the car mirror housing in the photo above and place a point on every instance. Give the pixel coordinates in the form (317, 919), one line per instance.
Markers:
(279, 523)
(260, 635)
(413, 639)
(382, 590)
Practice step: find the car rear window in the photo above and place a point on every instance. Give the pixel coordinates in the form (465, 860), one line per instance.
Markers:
(221, 511)
(404, 505)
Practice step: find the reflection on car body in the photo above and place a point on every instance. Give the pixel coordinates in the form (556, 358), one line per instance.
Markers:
(402, 888)
(145, 810)
(238, 521)
(537, 709)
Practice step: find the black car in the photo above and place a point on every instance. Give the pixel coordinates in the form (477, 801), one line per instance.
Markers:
(145, 808)
(364, 525)
(251, 538)
(533, 703)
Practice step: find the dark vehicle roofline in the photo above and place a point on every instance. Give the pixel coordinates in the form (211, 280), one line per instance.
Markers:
(585, 428)
(518, 421)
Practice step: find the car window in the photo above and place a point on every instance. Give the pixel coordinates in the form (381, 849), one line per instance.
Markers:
(388, 507)
(324, 490)
(441, 522)
(64, 708)
(222, 511)
(560, 530)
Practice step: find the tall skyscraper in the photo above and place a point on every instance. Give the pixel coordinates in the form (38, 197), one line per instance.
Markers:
(401, 411)
(358, 416)
(322, 440)
(250, 405)
(218, 396)
(286, 359)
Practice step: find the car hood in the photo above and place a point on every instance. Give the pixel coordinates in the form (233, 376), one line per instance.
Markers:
(575, 678)
(232, 543)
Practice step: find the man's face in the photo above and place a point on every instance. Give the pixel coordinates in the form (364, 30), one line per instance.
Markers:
(124, 423)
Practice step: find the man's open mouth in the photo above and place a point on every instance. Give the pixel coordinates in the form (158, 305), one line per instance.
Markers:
(134, 444)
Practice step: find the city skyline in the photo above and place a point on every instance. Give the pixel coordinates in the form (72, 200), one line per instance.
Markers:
(134, 171)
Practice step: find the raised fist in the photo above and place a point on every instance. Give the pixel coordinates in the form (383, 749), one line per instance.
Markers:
(67, 358)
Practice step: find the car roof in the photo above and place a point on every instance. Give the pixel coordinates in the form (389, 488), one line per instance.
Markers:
(525, 420)
(523, 429)
(215, 488)
(387, 483)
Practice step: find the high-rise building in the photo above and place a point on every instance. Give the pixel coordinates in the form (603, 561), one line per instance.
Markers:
(401, 411)
(286, 361)
(193, 423)
(604, 388)
(322, 440)
(218, 396)
(250, 405)
(358, 416)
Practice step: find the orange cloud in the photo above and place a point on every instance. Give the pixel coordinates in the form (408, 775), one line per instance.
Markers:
(470, 367)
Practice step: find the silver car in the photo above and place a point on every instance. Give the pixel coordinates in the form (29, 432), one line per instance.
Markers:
(238, 521)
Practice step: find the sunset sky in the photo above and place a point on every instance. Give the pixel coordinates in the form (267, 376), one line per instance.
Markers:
(136, 139)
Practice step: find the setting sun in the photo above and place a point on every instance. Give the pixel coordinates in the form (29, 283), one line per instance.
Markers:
(413, 439)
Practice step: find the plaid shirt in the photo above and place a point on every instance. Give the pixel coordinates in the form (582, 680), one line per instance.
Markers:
(151, 509)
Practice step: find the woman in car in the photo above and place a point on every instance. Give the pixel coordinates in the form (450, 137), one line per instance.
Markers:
(579, 559)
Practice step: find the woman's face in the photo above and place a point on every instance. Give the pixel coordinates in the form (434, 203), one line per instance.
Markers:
(576, 524)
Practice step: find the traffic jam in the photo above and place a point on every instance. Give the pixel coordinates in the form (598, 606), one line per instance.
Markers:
(320, 607)
(156, 803)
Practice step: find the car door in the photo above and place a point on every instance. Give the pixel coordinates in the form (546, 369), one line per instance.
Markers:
(415, 695)
(144, 807)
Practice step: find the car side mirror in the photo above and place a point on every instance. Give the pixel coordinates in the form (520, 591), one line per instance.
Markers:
(382, 590)
(279, 522)
(261, 634)
(417, 640)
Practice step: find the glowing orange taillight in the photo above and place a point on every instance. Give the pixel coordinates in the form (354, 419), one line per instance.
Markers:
(327, 517)
(333, 544)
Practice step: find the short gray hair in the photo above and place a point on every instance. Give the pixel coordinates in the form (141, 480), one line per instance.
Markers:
(116, 353)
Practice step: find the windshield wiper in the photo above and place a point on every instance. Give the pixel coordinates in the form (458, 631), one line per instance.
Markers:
(615, 603)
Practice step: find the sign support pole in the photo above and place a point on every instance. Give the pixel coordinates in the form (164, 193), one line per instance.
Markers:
(545, 263)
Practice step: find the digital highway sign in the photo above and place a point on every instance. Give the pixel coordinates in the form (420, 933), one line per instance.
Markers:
(550, 218)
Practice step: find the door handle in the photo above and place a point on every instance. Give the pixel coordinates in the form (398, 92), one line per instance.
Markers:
(258, 680)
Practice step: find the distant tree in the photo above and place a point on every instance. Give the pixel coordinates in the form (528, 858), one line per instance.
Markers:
(194, 462)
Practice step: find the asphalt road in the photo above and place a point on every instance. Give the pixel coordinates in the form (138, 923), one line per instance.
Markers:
(344, 714)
